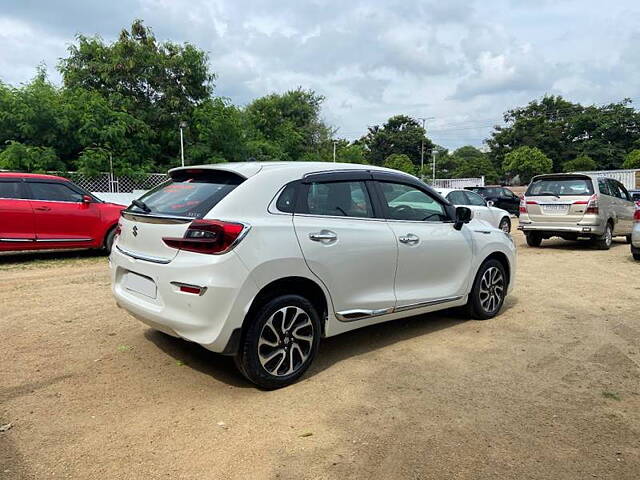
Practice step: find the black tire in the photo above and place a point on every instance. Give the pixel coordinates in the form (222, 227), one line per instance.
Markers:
(534, 239)
(108, 240)
(635, 252)
(505, 225)
(476, 304)
(276, 312)
(628, 239)
(604, 242)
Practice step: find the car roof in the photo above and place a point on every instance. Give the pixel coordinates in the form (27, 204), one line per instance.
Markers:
(40, 176)
(446, 191)
(248, 169)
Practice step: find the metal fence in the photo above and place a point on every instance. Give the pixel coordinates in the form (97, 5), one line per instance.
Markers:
(458, 182)
(629, 178)
(106, 182)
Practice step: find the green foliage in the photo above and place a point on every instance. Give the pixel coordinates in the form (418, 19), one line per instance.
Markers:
(632, 159)
(400, 161)
(350, 153)
(19, 157)
(563, 130)
(291, 123)
(470, 162)
(399, 135)
(581, 163)
(527, 162)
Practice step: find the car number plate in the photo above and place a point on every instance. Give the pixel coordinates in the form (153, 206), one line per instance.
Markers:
(140, 284)
(555, 209)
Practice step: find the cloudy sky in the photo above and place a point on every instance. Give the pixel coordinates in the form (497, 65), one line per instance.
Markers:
(461, 62)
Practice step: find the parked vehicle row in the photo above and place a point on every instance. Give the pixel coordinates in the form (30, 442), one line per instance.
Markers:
(261, 260)
(48, 212)
(576, 207)
(482, 209)
(501, 197)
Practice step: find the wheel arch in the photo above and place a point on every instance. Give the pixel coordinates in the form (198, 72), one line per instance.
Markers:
(292, 285)
(503, 259)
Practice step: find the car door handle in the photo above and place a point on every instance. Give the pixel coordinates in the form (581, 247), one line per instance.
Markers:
(42, 209)
(409, 239)
(323, 236)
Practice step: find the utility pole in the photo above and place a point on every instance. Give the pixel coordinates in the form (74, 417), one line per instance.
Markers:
(182, 125)
(433, 157)
(334, 150)
(424, 119)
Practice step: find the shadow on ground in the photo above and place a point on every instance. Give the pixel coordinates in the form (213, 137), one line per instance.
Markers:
(332, 350)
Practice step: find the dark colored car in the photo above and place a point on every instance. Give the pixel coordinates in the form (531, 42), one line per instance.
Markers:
(635, 195)
(501, 197)
(40, 212)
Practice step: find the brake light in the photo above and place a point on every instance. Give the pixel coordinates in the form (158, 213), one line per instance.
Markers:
(524, 202)
(636, 215)
(118, 230)
(208, 236)
(592, 206)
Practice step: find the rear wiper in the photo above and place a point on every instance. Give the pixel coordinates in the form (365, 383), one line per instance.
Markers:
(141, 205)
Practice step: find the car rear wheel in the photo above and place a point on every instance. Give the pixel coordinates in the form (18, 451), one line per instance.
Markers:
(108, 240)
(280, 343)
(489, 289)
(628, 239)
(635, 252)
(534, 239)
(505, 225)
(604, 242)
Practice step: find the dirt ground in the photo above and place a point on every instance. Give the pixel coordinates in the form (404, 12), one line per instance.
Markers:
(549, 389)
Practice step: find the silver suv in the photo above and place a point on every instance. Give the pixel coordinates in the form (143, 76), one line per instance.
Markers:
(576, 207)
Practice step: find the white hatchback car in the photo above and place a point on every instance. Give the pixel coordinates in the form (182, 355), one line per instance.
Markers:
(481, 208)
(261, 260)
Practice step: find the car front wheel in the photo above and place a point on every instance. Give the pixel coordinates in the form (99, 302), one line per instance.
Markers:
(489, 290)
(280, 342)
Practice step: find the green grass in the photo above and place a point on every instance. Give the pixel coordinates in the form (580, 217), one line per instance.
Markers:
(611, 395)
(30, 260)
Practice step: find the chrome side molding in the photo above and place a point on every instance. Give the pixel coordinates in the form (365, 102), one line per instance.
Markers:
(361, 313)
(146, 258)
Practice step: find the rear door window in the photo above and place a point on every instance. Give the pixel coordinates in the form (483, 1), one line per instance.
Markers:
(457, 197)
(559, 187)
(190, 193)
(12, 190)
(338, 199)
(475, 199)
(603, 186)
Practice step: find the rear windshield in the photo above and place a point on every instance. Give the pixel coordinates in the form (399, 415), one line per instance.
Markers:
(559, 187)
(486, 191)
(190, 193)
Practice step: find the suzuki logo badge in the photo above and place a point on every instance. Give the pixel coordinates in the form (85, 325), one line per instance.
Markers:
(135, 231)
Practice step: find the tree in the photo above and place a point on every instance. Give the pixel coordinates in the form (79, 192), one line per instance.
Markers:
(527, 162)
(581, 163)
(399, 161)
(632, 159)
(472, 163)
(158, 83)
(290, 125)
(399, 135)
(350, 153)
(563, 130)
(19, 157)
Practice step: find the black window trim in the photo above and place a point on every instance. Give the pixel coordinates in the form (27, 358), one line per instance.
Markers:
(72, 186)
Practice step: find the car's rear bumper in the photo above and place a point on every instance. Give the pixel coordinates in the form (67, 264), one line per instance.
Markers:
(635, 235)
(208, 319)
(558, 229)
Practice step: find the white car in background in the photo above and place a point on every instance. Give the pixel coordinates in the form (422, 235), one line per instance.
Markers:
(481, 208)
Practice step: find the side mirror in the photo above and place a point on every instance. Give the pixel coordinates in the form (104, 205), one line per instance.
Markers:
(463, 215)
(490, 203)
(87, 199)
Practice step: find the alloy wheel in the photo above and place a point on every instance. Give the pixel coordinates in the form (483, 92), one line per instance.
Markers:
(491, 289)
(286, 341)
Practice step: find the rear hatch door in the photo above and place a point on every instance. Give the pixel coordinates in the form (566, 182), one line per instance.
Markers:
(558, 199)
(169, 209)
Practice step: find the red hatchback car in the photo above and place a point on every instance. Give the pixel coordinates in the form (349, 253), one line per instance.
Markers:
(40, 212)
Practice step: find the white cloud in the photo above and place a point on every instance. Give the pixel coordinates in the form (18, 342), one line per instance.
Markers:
(462, 62)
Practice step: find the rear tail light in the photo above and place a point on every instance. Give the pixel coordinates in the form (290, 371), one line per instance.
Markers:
(592, 206)
(118, 229)
(524, 202)
(636, 215)
(209, 236)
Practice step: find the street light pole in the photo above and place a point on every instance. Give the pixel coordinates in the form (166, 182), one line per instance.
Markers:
(334, 151)
(183, 124)
(433, 156)
(424, 132)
